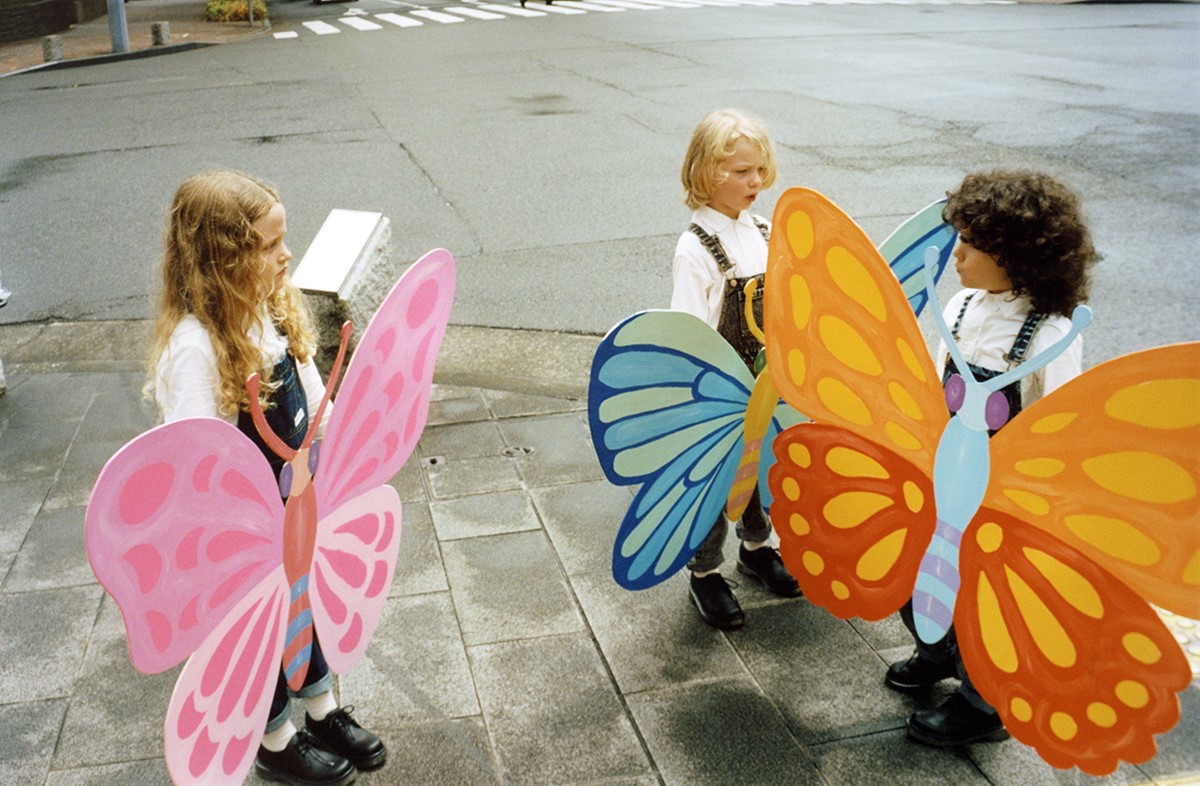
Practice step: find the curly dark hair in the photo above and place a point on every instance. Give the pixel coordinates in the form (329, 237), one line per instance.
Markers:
(1031, 223)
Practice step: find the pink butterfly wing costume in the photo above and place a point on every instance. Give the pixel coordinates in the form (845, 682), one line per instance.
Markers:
(185, 529)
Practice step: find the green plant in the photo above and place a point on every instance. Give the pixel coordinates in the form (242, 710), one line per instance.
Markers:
(233, 10)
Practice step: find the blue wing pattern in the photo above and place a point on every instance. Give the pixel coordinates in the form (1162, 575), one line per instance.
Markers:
(904, 251)
(666, 404)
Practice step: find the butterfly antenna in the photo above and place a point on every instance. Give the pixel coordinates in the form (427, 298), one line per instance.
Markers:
(277, 445)
(932, 255)
(344, 341)
(751, 322)
(1081, 317)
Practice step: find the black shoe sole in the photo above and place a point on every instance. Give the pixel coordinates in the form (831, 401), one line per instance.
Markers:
(730, 624)
(998, 734)
(268, 774)
(909, 688)
(746, 570)
(373, 763)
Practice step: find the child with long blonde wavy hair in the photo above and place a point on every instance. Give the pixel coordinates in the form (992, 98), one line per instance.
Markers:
(228, 310)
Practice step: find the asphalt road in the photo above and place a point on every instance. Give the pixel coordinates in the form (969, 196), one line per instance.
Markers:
(544, 151)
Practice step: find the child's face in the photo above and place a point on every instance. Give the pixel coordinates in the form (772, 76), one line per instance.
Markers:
(275, 253)
(978, 270)
(743, 172)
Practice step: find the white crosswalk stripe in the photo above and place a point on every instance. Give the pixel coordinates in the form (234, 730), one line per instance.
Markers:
(399, 20)
(437, 16)
(356, 19)
(358, 23)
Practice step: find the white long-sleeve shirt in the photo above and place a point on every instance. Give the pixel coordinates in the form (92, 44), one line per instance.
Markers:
(699, 285)
(187, 384)
(989, 329)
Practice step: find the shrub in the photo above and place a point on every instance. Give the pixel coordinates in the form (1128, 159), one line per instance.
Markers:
(233, 10)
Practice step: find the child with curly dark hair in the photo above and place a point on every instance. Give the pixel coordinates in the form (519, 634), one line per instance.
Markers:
(1023, 256)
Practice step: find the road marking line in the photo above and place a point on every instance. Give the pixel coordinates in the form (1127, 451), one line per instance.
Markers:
(288, 34)
(360, 24)
(630, 4)
(321, 28)
(437, 16)
(399, 20)
(515, 10)
(474, 13)
(596, 7)
(564, 9)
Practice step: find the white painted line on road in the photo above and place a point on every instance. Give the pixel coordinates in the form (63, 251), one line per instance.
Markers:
(630, 4)
(287, 34)
(360, 24)
(672, 3)
(514, 10)
(321, 28)
(356, 12)
(595, 7)
(563, 9)
(437, 16)
(474, 13)
(399, 20)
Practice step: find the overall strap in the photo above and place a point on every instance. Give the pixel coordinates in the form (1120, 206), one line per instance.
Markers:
(1025, 337)
(714, 247)
(763, 229)
(962, 312)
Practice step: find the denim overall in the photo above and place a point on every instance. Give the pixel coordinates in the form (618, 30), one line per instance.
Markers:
(287, 417)
(947, 648)
(732, 326)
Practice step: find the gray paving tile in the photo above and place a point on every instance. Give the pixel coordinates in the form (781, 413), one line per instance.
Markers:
(1012, 764)
(28, 734)
(721, 732)
(415, 669)
(21, 502)
(53, 554)
(6, 561)
(562, 450)
(582, 521)
(419, 564)
(116, 713)
(145, 772)
(464, 477)
(508, 404)
(553, 712)
(1179, 749)
(49, 398)
(653, 638)
(509, 587)
(447, 753)
(885, 633)
(409, 482)
(891, 758)
(462, 440)
(34, 450)
(119, 412)
(456, 405)
(466, 517)
(73, 487)
(825, 679)
(43, 636)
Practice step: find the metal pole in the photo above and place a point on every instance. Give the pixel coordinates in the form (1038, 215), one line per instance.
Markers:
(117, 28)
(250, 11)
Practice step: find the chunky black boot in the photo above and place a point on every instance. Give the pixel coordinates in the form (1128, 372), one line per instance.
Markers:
(339, 732)
(304, 763)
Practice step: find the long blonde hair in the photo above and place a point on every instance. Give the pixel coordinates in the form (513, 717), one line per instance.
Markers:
(212, 267)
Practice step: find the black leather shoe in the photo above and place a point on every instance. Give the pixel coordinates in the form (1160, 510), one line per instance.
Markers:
(917, 673)
(304, 763)
(956, 722)
(715, 602)
(765, 565)
(340, 733)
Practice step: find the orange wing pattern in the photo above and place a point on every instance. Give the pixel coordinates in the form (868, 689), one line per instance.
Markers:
(1109, 465)
(853, 519)
(843, 345)
(1077, 665)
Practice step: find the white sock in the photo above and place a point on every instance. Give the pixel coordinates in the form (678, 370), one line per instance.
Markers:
(277, 740)
(702, 573)
(749, 546)
(320, 705)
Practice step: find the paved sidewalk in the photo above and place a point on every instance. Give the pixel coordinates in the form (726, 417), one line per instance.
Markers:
(84, 42)
(507, 654)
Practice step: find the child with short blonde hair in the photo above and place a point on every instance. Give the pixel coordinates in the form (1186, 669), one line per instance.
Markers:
(729, 161)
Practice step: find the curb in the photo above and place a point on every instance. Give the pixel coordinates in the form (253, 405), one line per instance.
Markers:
(136, 54)
(537, 362)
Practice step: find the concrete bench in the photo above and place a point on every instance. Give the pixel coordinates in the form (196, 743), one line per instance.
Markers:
(345, 274)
